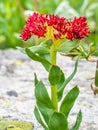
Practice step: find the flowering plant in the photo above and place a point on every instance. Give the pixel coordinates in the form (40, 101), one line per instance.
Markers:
(55, 30)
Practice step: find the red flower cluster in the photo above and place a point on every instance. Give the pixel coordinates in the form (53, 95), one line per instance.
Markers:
(77, 29)
(38, 24)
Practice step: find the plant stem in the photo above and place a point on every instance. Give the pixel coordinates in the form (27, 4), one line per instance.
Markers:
(96, 74)
(54, 98)
(53, 56)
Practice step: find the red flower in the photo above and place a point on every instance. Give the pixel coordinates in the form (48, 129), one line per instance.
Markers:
(58, 25)
(38, 24)
(34, 26)
(25, 34)
(77, 29)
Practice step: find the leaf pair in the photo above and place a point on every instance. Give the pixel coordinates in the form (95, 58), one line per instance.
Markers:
(59, 122)
(56, 122)
(44, 110)
(56, 77)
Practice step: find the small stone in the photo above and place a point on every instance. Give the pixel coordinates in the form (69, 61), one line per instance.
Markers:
(12, 93)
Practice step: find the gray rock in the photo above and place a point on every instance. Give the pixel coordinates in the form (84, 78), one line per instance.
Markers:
(12, 93)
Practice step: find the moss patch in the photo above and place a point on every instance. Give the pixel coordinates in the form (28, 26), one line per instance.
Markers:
(15, 125)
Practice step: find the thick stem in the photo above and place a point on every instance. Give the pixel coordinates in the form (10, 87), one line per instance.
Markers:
(53, 57)
(54, 87)
(96, 74)
(54, 97)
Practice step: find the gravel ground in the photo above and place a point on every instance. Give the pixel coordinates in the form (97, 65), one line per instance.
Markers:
(17, 89)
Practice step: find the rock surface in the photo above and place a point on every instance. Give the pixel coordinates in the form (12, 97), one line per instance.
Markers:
(17, 99)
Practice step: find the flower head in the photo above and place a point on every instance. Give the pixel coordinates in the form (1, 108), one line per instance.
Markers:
(34, 26)
(41, 25)
(54, 27)
(77, 28)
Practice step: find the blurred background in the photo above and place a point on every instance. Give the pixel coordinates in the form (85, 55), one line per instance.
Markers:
(13, 14)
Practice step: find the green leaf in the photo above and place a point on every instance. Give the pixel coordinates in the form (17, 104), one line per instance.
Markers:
(69, 101)
(54, 75)
(42, 96)
(68, 46)
(58, 122)
(36, 57)
(46, 57)
(35, 80)
(46, 112)
(21, 49)
(38, 117)
(62, 79)
(61, 89)
(78, 121)
(40, 49)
